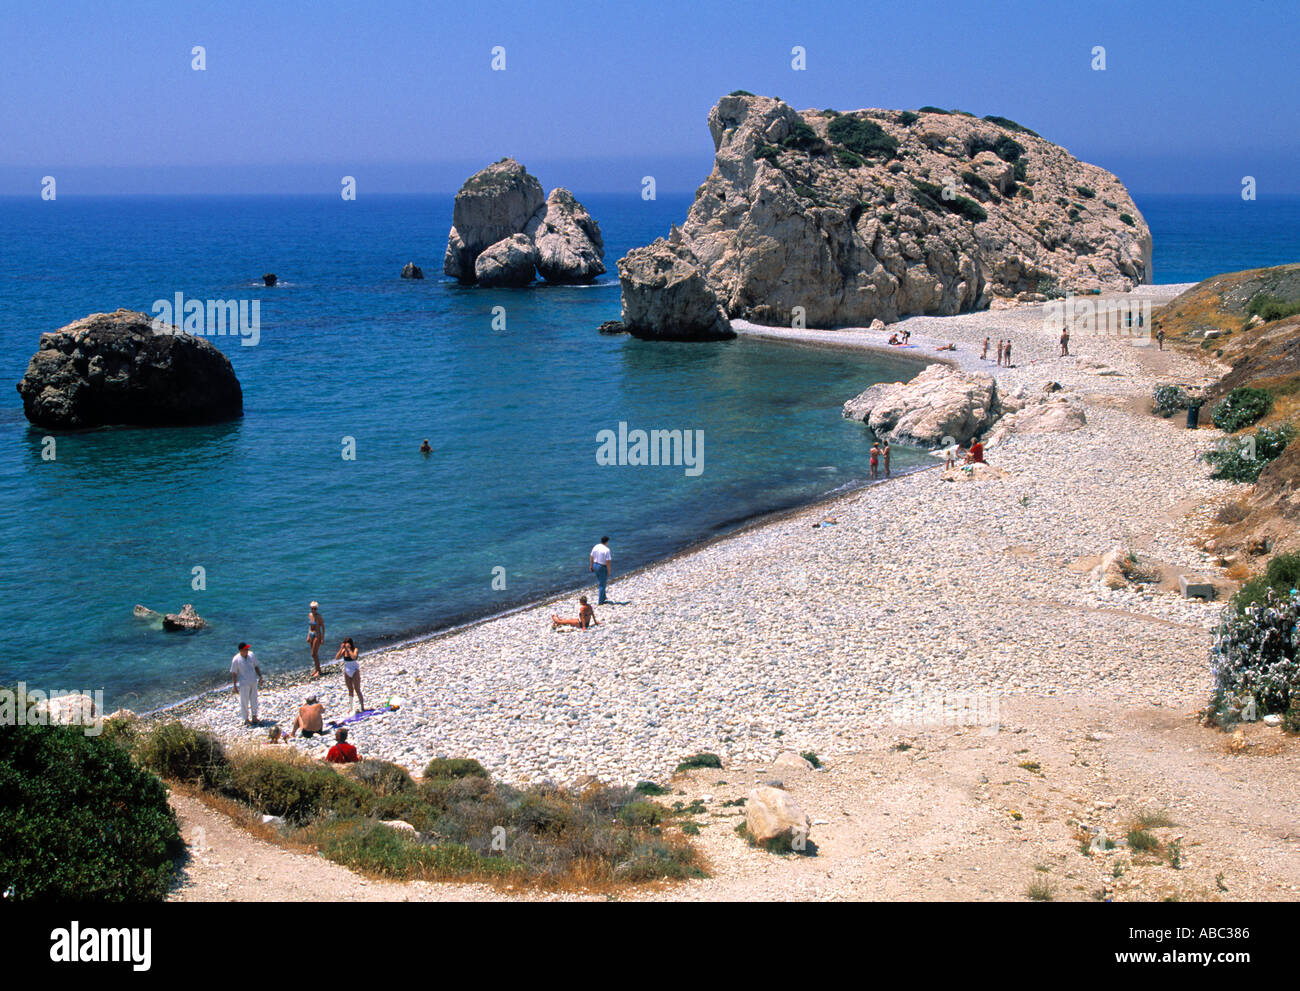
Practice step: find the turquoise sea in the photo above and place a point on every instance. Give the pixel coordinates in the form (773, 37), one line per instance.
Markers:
(392, 543)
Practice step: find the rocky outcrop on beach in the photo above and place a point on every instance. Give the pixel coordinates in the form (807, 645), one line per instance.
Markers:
(115, 368)
(1051, 416)
(186, 619)
(941, 402)
(667, 298)
(839, 219)
(502, 203)
(412, 271)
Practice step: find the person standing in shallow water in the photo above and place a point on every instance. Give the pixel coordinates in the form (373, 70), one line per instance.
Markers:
(884, 453)
(315, 636)
(425, 448)
(875, 460)
(601, 561)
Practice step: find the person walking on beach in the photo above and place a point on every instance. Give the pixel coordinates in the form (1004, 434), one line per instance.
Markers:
(351, 672)
(601, 561)
(1065, 343)
(1160, 338)
(875, 459)
(342, 752)
(586, 617)
(315, 636)
(985, 355)
(1001, 343)
(310, 719)
(1007, 353)
(884, 451)
(246, 678)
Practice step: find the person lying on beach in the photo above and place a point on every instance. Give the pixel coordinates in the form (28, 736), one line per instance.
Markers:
(342, 752)
(829, 521)
(310, 719)
(946, 347)
(586, 617)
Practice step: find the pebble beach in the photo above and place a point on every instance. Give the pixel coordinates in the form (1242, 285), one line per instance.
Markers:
(790, 635)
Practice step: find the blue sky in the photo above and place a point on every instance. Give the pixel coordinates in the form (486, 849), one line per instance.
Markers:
(595, 95)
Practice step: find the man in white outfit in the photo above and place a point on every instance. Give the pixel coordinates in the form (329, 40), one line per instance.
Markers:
(602, 563)
(247, 679)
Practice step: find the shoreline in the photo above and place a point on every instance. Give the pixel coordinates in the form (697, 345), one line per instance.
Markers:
(774, 636)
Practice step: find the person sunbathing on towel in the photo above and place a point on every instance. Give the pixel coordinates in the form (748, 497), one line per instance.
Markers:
(586, 617)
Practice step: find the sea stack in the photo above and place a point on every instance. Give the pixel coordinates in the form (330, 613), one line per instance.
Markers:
(412, 271)
(839, 219)
(500, 208)
(115, 369)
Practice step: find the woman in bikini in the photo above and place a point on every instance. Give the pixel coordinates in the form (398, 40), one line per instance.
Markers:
(351, 672)
(586, 617)
(315, 636)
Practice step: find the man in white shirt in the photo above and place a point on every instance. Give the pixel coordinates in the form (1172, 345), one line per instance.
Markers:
(246, 676)
(601, 562)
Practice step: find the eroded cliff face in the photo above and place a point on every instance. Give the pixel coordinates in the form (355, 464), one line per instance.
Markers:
(884, 214)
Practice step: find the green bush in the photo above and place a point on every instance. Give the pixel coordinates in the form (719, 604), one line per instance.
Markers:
(1240, 408)
(802, 137)
(1255, 659)
(298, 792)
(1086, 192)
(1127, 219)
(740, 92)
(1006, 148)
(80, 821)
(1270, 308)
(454, 767)
(865, 137)
(698, 761)
(1281, 575)
(907, 118)
(1009, 124)
(975, 180)
(811, 758)
(1167, 400)
(177, 752)
(650, 788)
(1241, 459)
(848, 159)
(931, 196)
(381, 777)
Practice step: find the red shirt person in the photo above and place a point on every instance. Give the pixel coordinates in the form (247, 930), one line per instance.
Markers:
(342, 752)
(976, 454)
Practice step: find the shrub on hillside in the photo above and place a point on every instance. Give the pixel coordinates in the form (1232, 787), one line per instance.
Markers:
(1270, 308)
(864, 137)
(802, 137)
(907, 118)
(80, 821)
(1241, 459)
(1254, 659)
(177, 752)
(1127, 219)
(1281, 575)
(1007, 149)
(1240, 408)
(299, 790)
(848, 159)
(931, 196)
(454, 767)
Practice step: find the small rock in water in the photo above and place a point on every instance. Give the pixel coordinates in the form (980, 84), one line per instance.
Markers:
(270, 279)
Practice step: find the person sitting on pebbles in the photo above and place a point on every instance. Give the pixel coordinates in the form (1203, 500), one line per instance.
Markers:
(310, 718)
(586, 617)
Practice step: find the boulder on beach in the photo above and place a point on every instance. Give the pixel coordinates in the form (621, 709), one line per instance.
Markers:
(509, 262)
(186, 619)
(269, 279)
(1115, 568)
(880, 214)
(788, 760)
(774, 818)
(412, 271)
(666, 298)
(568, 242)
(115, 369)
(1057, 416)
(941, 402)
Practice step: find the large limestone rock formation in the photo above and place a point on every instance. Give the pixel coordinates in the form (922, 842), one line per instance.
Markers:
(880, 214)
(502, 203)
(114, 368)
(568, 241)
(666, 297)
(941, 402)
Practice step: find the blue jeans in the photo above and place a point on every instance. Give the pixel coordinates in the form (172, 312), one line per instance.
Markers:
(602, 576)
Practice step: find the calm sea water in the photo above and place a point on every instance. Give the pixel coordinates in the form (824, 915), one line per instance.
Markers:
(393, 543)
